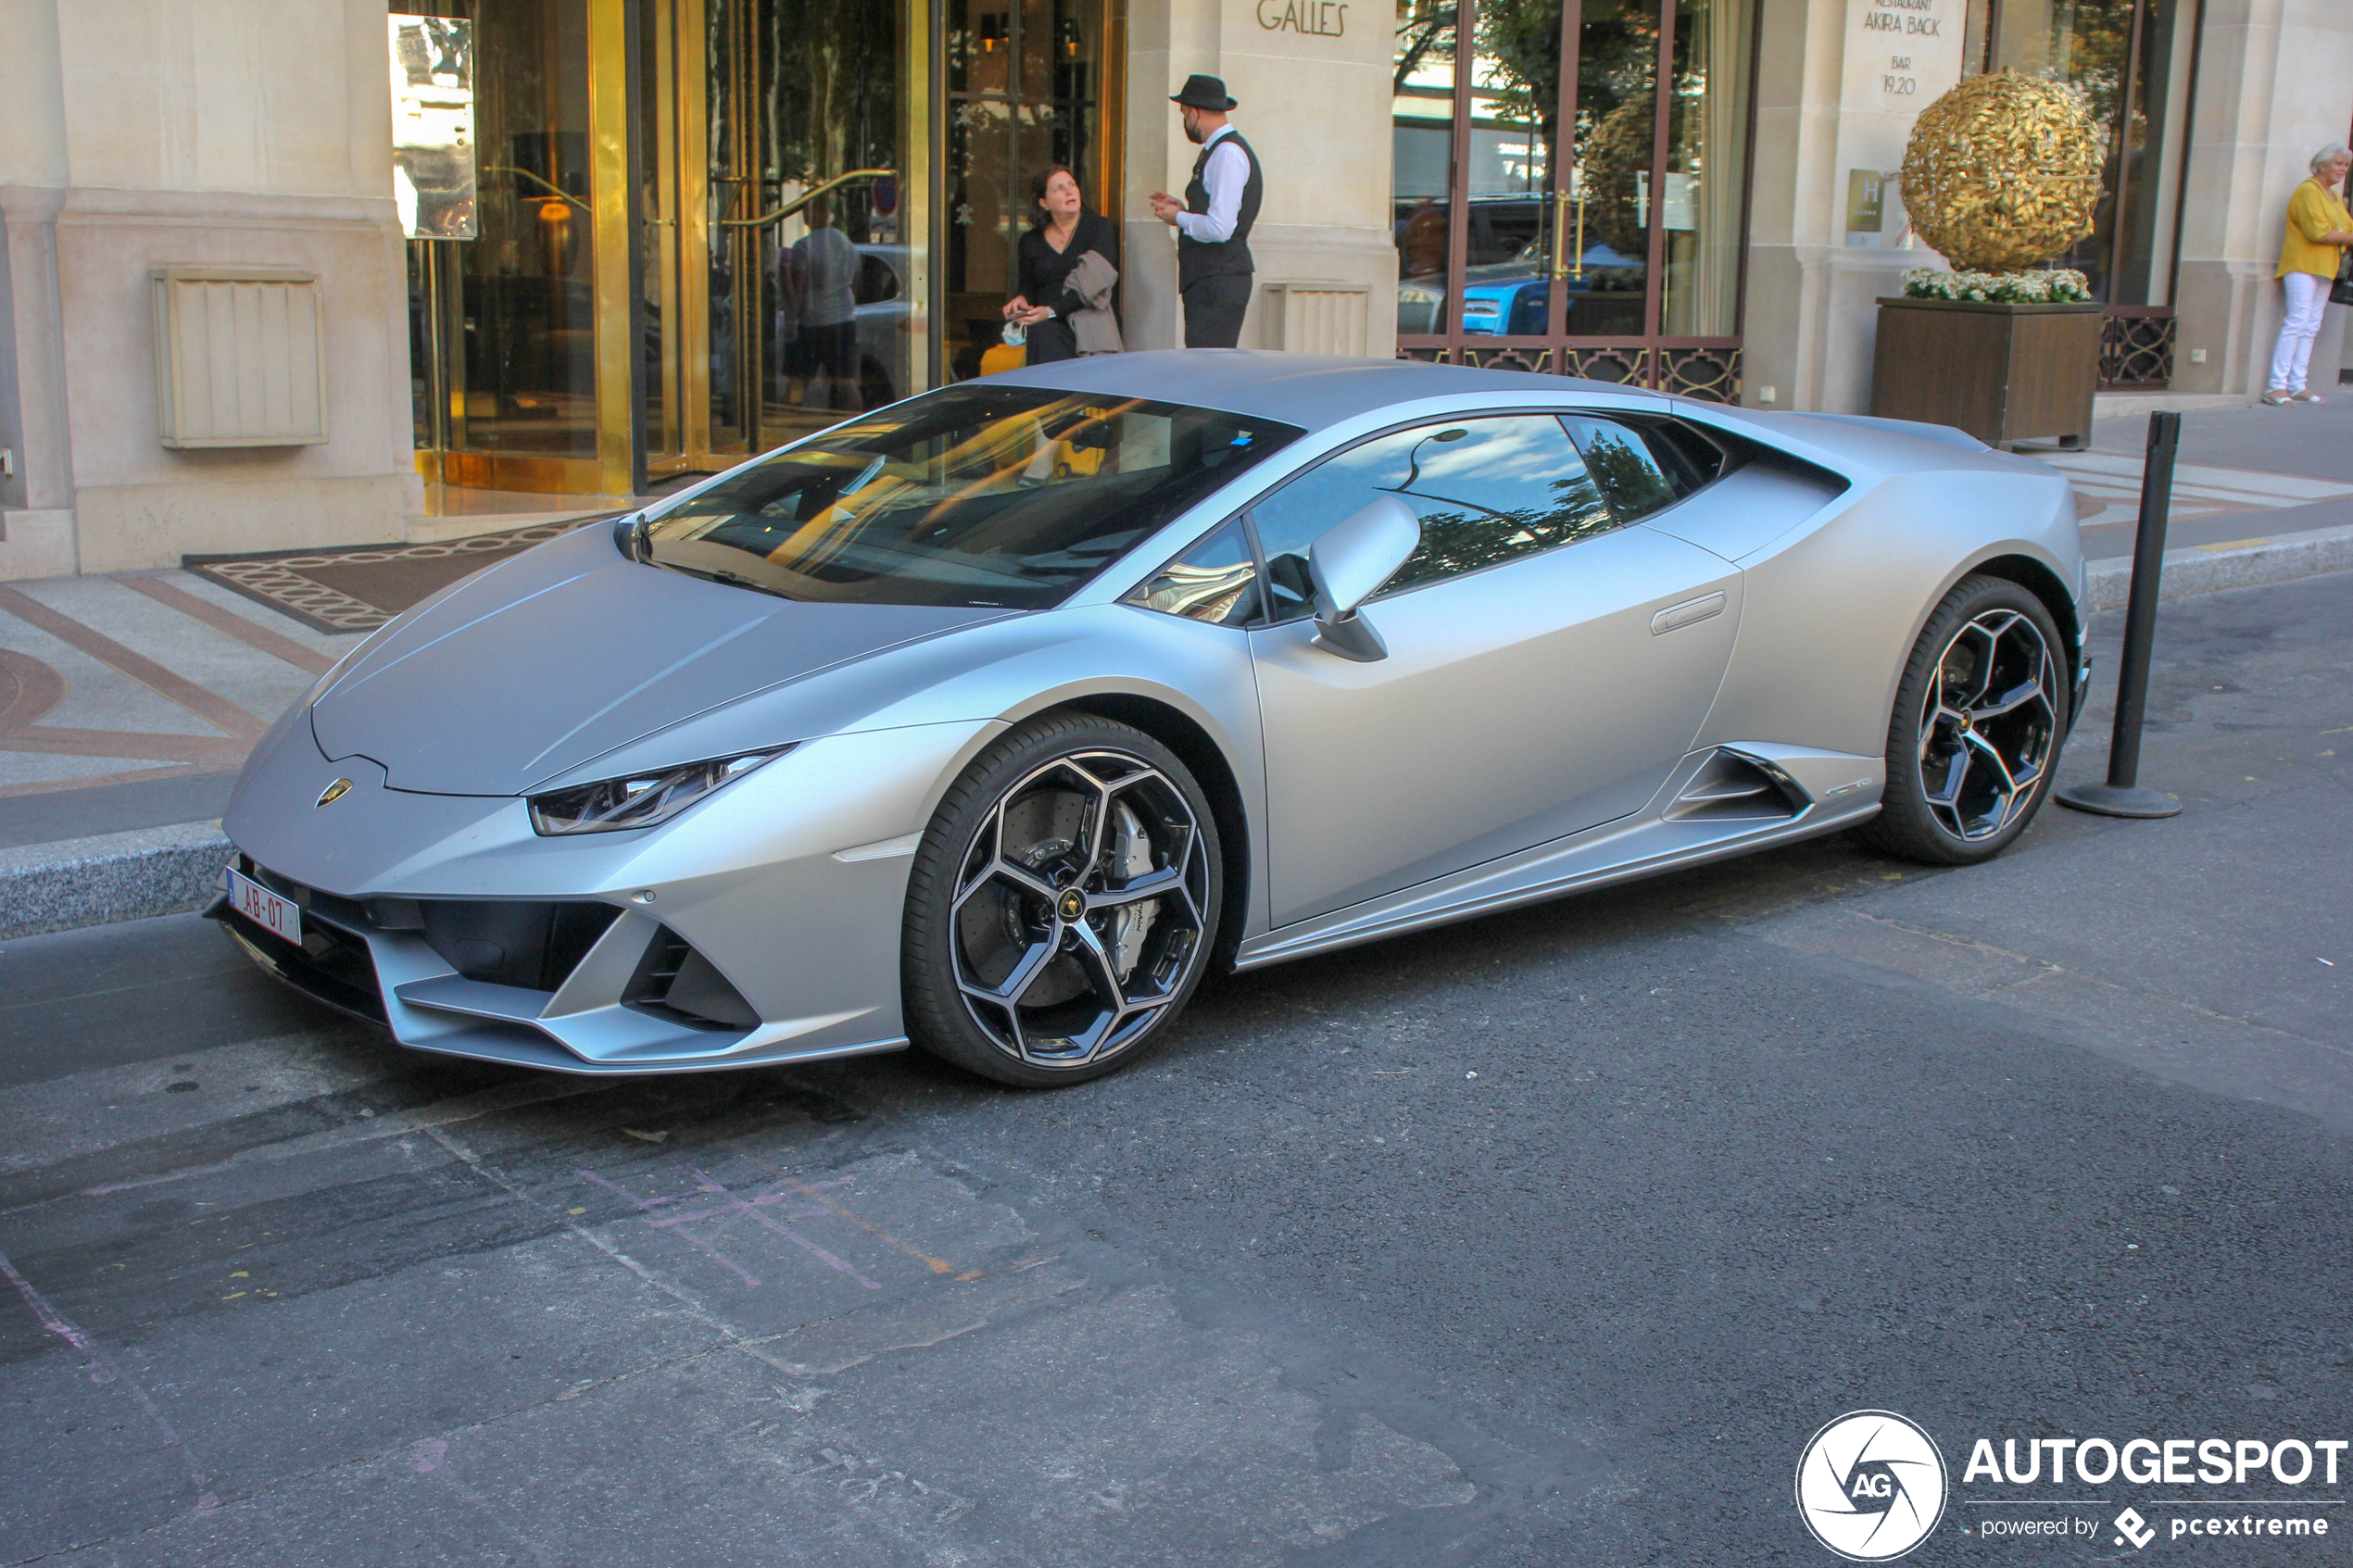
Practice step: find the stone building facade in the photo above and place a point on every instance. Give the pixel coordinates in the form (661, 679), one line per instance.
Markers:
(1688, 194)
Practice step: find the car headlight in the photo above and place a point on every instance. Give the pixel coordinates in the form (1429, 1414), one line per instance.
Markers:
(641, 800)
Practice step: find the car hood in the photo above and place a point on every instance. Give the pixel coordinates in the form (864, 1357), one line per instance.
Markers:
(553, 659)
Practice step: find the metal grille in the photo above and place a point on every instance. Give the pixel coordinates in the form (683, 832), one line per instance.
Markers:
(2136, 350)
(1711, 373)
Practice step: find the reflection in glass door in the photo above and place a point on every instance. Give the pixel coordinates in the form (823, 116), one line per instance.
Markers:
(781, 263)
(1621, 260)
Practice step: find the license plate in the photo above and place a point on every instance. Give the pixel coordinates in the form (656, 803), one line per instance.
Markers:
(280, 917)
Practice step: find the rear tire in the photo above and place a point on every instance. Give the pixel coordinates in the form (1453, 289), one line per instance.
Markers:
(1974, 740)
(1062, 904)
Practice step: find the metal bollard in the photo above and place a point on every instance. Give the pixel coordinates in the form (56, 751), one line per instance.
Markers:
(2122, 796)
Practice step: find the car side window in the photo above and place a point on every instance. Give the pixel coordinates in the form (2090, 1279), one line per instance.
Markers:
(1643, 466)
(1487, 489)
(1216, 581)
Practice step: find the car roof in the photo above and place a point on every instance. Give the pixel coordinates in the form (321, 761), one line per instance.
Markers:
(1310, 390)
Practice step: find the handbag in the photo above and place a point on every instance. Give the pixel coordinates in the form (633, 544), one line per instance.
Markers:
(1010, 354)
(2341, 291)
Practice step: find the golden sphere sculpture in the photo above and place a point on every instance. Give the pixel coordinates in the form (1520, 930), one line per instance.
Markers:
(2003, 171)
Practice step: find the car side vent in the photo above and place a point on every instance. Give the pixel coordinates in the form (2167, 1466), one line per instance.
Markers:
(676, 982)
(1733, 786)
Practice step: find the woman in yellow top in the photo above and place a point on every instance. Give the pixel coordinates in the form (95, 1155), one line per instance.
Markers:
(2318, 228)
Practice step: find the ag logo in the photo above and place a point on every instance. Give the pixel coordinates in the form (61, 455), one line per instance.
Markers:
(1870, 1485)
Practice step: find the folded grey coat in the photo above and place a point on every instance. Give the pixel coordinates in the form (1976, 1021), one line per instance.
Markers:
(1096, 328)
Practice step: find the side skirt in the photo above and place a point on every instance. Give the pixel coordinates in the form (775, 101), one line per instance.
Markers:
(1623, 851)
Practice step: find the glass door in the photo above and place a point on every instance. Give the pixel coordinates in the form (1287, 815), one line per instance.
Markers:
(1555, 210)
(1027, 87)
(502, 347)
(781, 261)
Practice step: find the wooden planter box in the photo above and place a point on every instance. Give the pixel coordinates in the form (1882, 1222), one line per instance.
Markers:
(2002, 372)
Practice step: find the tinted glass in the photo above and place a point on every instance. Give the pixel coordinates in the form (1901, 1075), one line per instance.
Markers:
(1487, 491)
(1688, 457)
(1629, 469)
(975, 495)
(1216, 581)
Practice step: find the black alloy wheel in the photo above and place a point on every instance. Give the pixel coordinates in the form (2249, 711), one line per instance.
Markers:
(1975, 736)
(1062, 904)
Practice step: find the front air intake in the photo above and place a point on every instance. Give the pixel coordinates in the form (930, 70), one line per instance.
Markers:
(1733, 786)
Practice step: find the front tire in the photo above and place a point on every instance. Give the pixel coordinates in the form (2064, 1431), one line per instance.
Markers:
(1975, 736)
(1062, 904)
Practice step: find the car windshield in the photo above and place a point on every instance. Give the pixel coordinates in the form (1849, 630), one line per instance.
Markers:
(973, 496)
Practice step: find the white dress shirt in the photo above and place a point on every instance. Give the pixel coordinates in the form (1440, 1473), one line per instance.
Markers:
(1228, 172)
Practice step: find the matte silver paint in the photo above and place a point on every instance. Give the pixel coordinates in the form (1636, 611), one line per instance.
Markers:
(1526, 735)
(637, 651)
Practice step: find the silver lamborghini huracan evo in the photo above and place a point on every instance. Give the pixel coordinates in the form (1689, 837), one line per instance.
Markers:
(991, 721)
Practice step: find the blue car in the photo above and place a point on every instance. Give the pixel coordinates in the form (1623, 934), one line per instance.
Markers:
(1509, 300)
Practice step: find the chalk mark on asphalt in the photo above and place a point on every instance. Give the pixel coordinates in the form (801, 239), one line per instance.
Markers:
(426, 1119)
(102, 1369)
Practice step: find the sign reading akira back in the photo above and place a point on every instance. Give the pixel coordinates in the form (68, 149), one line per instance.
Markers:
(1900, 57)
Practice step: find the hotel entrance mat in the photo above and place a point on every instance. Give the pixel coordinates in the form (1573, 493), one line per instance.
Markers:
(359, 587)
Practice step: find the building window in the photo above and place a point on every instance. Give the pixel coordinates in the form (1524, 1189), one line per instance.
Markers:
(1550, 209)
(2133, 61)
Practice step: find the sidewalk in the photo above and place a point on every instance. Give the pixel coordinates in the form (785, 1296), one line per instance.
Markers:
(128, 702)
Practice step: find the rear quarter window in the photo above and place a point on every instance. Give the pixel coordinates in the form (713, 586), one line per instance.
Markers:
(1646, 465)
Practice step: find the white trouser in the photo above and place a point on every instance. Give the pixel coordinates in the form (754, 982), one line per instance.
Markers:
(2307, 297)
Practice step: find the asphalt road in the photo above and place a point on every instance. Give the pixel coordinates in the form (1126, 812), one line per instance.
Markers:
(1543, 1240)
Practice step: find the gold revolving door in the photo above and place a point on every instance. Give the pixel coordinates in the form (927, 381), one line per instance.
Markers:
(782, 255)
(703, 228)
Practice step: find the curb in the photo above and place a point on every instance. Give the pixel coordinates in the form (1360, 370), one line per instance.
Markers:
(2205, 569)
(119, 877)
(116, 876)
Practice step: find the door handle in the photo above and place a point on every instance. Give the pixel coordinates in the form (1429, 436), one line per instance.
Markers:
(1691, 612)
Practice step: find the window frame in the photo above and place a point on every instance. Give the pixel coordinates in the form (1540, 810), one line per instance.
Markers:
(1245, 515)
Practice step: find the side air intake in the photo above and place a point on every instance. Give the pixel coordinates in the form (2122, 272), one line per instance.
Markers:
(676, 982)
(1731, 786)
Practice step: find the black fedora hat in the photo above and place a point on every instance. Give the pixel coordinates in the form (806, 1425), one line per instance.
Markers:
(1204, 93)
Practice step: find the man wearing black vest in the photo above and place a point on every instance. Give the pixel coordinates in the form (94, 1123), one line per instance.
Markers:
(1214, 268)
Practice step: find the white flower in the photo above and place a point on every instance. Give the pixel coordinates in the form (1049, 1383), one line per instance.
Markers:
(2061, 284)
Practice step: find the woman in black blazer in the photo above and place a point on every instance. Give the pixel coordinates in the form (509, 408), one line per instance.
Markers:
(1061, 231)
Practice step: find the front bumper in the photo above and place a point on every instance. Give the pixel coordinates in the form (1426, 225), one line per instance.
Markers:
(760, 926)
(613, 991)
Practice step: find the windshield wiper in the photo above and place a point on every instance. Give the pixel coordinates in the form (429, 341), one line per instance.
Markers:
(734, 580)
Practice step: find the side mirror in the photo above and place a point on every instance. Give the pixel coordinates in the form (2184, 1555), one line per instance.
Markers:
(629, 533)
(1349, 562)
